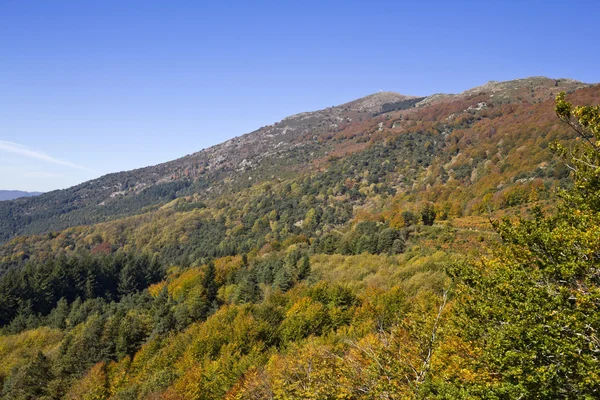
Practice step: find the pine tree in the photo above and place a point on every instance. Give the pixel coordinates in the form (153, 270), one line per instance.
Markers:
(31, 381)
(427, 214)
(60, 313)
(304, 270)
(132, 333)
(249, 291)
(386, 240)
(164, 320)
(127, 280)
(90, 286)
(154, 271)
(75, 316)
(210, 284)
(284, 280)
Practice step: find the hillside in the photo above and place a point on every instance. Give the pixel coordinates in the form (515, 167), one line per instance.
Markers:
(302, 143)
(391, 247)
(284, 149)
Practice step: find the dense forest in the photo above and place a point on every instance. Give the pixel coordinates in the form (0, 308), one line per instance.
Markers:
(455, 258)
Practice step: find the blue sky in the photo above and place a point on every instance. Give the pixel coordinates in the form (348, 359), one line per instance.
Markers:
(88, 88)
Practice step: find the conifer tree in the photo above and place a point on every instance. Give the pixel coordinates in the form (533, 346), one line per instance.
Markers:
(304, 270)
(164, 320)
(284, 280)
(210, 284)
(249, 291)
(427, 214)
(31, 381)
(59, 314)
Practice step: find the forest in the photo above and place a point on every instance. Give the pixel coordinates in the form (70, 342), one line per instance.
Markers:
(393, 272)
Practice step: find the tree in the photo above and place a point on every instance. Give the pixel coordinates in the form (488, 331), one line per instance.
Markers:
(59, 314)
(195, 306)
(304, 270)
(409, 218)
(93, 385)
(31, 381)
(164, 320)
(311, 219)
(249, 291)
(284, 280)
(133, 331)
(311, 372)
(396, 363)
(427, 214)
(398, 247)
(386, 240)
(128, 280)
(210, 284)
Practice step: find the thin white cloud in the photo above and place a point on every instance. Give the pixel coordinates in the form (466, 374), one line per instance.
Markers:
(25, 151)
(41, 174)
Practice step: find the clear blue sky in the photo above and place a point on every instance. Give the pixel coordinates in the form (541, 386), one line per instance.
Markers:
(88, 88)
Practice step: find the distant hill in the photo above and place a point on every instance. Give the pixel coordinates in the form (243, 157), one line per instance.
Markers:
(15, 194)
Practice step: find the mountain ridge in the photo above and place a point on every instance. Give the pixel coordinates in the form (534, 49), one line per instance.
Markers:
(297, 144)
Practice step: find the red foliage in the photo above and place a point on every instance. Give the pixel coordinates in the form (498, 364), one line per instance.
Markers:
(102, 248)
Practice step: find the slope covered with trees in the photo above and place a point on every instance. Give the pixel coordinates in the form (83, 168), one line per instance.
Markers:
(372, 272)
(310, 142)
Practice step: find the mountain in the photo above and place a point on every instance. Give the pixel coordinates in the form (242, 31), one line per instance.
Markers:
(390, 247)
(240, 161)
(15, 194)
(302, 143)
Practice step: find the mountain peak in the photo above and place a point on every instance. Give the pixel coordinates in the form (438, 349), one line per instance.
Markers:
(374, 102)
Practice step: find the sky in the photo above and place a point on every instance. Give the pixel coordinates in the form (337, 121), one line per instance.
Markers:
(93, 87)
